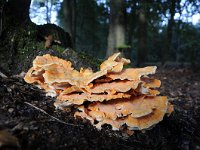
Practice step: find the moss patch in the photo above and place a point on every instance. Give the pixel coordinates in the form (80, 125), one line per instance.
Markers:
(21, 45)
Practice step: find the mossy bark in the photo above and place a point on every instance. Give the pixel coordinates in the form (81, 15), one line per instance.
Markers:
(20, 39)
(17, 32)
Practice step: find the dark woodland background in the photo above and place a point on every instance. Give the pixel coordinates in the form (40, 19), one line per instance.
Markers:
(155, 31)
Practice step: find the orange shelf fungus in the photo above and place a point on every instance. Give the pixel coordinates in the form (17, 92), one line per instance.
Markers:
(126, 99)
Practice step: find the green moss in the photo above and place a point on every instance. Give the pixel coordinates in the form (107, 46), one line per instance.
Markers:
(123, 46)
(58, 48)
(90, 59)
(24, 46)
(25, 41)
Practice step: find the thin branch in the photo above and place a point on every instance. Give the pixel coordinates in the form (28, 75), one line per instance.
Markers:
(44, 112)
(3, 75)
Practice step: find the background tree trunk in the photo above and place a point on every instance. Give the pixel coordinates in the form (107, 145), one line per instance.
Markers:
(166, 51)
(116, 35)
(69, 12)
(142, 50)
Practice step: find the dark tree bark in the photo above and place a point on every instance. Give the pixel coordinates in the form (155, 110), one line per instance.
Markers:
(167, 44)
(69, 12)
(15, 14)
(142, 50)
(116, 35)
(48, 10)
(17, 11)
(132, 24)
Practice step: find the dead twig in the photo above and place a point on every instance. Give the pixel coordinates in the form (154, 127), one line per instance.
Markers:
(44, 112)
(173, 99)
(3, 75)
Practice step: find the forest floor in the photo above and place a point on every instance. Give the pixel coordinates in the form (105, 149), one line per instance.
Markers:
(23, 126)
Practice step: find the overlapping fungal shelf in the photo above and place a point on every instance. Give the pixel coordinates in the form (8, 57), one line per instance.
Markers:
(123, 98)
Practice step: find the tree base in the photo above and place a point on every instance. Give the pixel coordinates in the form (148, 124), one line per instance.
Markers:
(20, 45)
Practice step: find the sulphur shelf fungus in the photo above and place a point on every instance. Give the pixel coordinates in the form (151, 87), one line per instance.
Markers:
(126, 99)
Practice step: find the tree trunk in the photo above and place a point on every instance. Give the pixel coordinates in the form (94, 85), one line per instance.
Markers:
(17, 10)
(132, 24)
(142, 50)
(73, 33)
(116, 35)
(21, 39)
(14, 17)
(167, 45)
(69, 12)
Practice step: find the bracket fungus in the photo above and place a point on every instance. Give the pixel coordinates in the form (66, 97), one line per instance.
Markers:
(126, 99)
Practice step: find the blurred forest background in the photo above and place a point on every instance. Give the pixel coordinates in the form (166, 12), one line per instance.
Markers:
(156, 31)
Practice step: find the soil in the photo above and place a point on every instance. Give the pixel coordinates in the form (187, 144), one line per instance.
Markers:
(31, 128)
